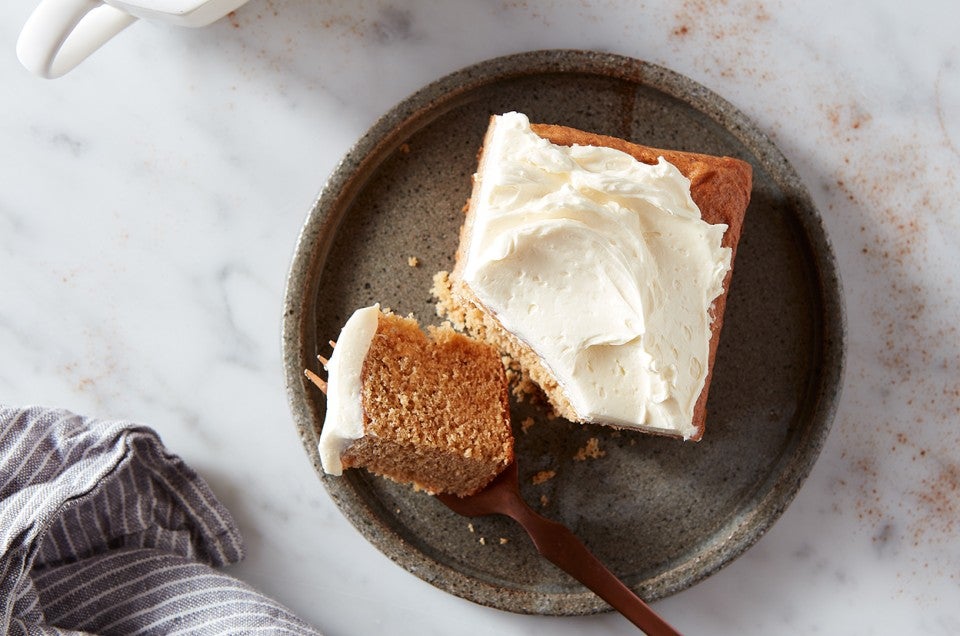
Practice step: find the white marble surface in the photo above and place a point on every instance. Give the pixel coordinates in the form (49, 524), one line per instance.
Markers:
(150, 202)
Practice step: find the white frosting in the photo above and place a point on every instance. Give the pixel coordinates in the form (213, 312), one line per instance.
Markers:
(344, 419)
(604, 267)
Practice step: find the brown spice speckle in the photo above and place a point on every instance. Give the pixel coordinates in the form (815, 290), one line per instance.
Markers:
(726, 34)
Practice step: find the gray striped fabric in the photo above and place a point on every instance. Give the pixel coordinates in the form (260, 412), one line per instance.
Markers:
(104, 531)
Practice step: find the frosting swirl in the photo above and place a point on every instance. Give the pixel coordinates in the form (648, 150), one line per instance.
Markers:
(604, 267)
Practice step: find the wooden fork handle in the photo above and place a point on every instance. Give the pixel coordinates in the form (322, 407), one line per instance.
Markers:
(562, 548)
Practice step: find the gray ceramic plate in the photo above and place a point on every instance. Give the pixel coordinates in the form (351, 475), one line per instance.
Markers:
(660, 513)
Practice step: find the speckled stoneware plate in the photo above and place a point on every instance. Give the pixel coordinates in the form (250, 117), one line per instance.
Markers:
(662, 514)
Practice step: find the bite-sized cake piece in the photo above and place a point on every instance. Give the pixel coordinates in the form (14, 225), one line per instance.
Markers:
(602, 267)
(431, 411)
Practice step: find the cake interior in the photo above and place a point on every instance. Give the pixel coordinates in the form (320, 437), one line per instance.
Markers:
(435, 408)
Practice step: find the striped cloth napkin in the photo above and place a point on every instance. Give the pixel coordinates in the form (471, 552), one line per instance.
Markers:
(103, 531)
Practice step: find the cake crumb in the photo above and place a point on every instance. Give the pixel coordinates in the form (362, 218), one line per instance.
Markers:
(405, 149)
(590, 451)
(504, 540)
(526, 424)
(470, 527)
(413, 261)
(523, 387)
(483, 541)
(544, 501)
(542, 476)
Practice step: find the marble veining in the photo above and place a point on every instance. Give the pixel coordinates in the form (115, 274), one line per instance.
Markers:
(151, 199)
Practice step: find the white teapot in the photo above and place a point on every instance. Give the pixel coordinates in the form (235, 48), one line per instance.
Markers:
(60, 34)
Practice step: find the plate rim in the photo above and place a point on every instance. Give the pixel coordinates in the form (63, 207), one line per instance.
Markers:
(316, 238)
